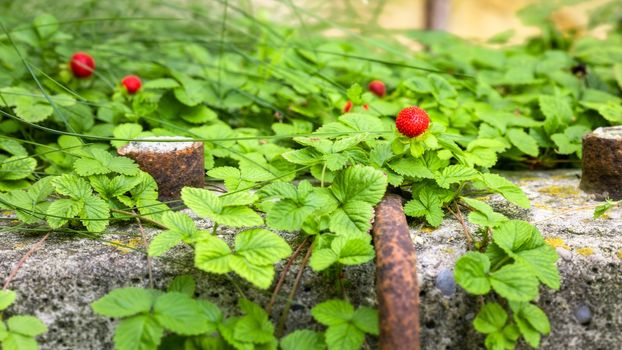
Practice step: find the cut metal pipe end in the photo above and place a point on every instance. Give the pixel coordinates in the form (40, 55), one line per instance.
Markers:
(602, 162)
(396, 277)
(173, 165)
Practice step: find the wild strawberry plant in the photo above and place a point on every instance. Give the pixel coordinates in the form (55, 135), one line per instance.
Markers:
(298, 146)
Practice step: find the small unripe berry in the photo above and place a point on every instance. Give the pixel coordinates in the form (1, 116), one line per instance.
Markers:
(132, 83)
(82, 65)
(412, 121)
(347, 107)
(377, 88)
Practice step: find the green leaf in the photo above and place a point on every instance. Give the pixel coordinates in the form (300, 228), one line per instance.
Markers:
(183, 284)
(206, 204)
(180, 223)
(303, 340)
(483, 214)
(17, 168)
(507, 189)
(413, 167)
(455, 173)
(524, 243)
(26, 325)
(523, 141)
(428, 204)
(198, 115)
(261, 247)
(515, 282)
(103, 162)
(359, 183)
(7, 297)
(352, 250)
(140, 332)
(366, 319)
(95, 214)
(61, 210)
(491, 318)
(322, 259)
(128, 131)
(163, 83)
(557, 111)
(46, 25)
(531, 321)
(14, 341)
(333, 312)
(163, 242)
(179, 313)
(124, 302)
(471, 273)
(255, 326)
(72, 186)
(212, 255)
(259, 275)
(344, 336)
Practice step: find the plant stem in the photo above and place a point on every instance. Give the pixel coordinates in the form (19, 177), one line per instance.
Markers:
(214, 230)
(145, 219)
(146, 244)
(323, 172)
(279, 284)
(292, 292)
(236, 286)
(21, 261)
(458, 215)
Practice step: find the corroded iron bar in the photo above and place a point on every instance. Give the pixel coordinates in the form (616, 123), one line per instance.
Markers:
(396, 277)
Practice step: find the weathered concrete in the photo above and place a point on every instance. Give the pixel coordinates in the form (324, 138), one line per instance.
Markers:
(58, 282)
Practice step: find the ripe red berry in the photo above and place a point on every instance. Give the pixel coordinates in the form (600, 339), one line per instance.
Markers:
(82, 65)
(377, 88)
(132, 83)
(347, 107)
(412, 121)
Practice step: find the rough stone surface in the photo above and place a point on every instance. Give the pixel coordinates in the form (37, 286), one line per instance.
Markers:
(58, 282)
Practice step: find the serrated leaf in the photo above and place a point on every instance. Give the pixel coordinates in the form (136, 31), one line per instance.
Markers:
(427, 204)
(455, 173)
(17, 168)
(366, 319)
(303, 340)
(95, 214)
(322, 259)
(7, 297)
(344, 336)
(259, 275)
(212, 255)
(26, 325)
(14, 341)
(507, 189)
(183, 284)
(140, 332)
(471, 273)
(491, 318)
(261, 246)
(163, 242)
(61, 210)
(333, 312)
(254, 326)
(352, 250)
(179, 313)
(515, 282)
(124, 302)
(523, 141)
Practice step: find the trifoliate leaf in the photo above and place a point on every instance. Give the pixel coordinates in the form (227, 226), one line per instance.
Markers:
(180, 223)
(483, 214)
(179, 313)
(140, 332)
(124, 302)
(352, 250)
(72, 186)
(531, 321)
(471, 273)
(206, 204)
(26, 325)
(322, 259)
(515, 282)
(491, 318)
(427, 204)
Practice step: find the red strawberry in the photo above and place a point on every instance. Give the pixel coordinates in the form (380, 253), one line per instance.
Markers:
(347, 107)
(377, 88)
(132, 83)
(412, 121)
(366, 107)
(82, 65)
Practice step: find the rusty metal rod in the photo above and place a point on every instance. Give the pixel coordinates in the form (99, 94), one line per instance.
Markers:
(396, 277)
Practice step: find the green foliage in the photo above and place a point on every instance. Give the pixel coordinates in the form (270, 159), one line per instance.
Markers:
(513, 266)
(18, 332)
(346, 327)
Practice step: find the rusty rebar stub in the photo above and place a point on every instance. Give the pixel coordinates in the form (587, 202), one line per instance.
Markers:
(396, 277)
(173, 165)
(602, 162)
